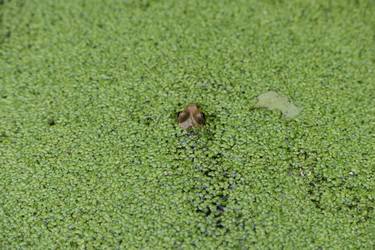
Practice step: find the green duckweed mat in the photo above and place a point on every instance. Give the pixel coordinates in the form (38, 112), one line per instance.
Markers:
(91, 155)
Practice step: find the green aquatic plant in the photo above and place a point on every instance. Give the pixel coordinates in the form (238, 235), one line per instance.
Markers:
(92, 157)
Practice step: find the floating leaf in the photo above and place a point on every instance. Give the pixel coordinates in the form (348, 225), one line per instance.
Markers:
(275, 101)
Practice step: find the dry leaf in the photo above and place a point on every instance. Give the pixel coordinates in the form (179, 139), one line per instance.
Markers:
(275, 101)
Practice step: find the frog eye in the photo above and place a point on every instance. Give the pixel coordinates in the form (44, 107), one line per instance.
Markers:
(183, 116)
(199, 118)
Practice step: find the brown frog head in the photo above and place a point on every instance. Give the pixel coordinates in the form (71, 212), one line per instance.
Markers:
(190, 117)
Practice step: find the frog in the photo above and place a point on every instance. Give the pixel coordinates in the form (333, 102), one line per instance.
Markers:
(191, 117)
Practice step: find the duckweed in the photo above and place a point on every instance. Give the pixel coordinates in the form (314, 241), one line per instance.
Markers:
(91, 155)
